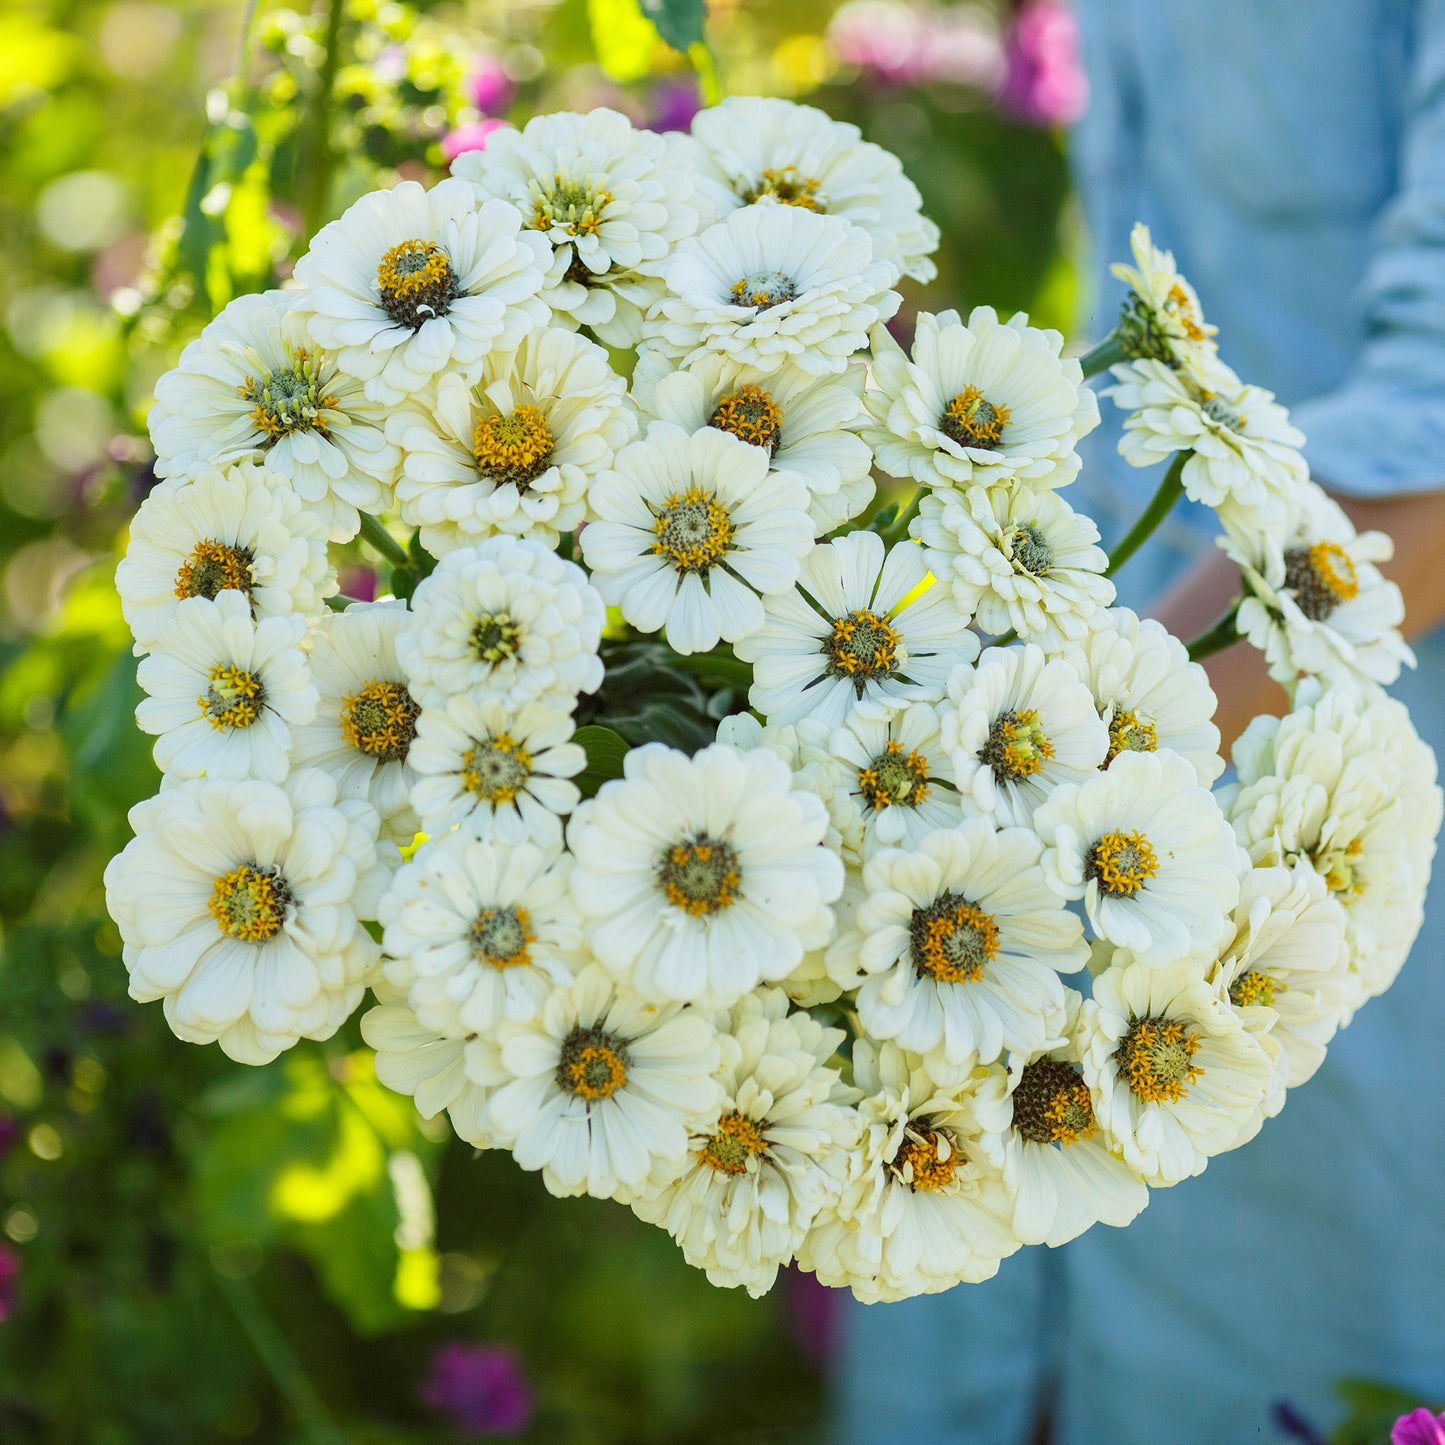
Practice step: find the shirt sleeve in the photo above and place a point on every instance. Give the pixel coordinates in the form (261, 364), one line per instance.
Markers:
(1381, 432)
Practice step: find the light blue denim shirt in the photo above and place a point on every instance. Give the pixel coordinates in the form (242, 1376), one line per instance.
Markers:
(1292, 155)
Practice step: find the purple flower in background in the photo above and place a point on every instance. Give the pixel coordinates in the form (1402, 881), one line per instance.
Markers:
(813, 1316)
(481, 1389)
(1419, 1427)
(470, 137)
(358, 582)
(490, 87)
(1292, 1425)
(674, 103)
(9, 1280)
(1045, 84)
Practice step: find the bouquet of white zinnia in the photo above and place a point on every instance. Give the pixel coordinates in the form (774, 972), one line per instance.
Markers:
(828, 887)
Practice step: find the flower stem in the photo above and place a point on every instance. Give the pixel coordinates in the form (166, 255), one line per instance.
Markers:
(321, 158)
(340, 602)
(1223, 634)
(1160, 505)
(382, 540)
(1109, 352)
(897, 529)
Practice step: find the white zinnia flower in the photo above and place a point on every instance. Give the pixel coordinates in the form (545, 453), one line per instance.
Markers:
(516, 452)
(507, 620)
(480, 931)
(1149, 852)
(254, 387)
(410, 283)
(612, 202)
(978, 401)
(495, 771)
(771, 151)
(1315, 600)
(853, 631)
(365, 720)
(800, 420)
(757, 1176)
(700, 877)
(605, 1089)
(238, 530)
(1173, 1073)
(1162, 320)
(690, 530)
(962, 943)
(238, 905)
(1018, 725)
(1242, 453)
(770, 286)
(1018, 559)
(923, 1208)
(226, 692)
(1148, 693)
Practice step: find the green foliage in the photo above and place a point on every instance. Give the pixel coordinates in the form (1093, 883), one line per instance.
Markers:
(1373, 1408)
(605, 751)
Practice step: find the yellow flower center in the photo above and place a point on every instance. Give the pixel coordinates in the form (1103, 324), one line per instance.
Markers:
(693, 530)
(1253, 987)
(788, 185)
(1130, 732)
(894, 778)
(971, 420)
(570, 205)
(250, 902)
(215, 567)
(1183, 311)
(290, 398)
(501, 937)
(1154, 1058)
(516, 448)
(416, 283)
(750, 414)
(952, 939)
(1052, 1104)
(1017, 746)
(763, 290)
(738, 1139)
(592, 1065)
(496, 769)
(1121, 863)
(380, 721)
(1340, 868)
(700, 875)
(863, 646)
(495, 638)
(926, 1159)
(233, 699)
(1322, 576)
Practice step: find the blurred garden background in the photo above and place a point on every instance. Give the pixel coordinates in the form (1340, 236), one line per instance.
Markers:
(194, 1251)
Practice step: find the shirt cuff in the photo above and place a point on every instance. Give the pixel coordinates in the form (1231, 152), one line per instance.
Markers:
(1372, 440)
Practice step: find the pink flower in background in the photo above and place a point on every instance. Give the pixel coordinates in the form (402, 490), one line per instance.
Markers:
(470, 137)
(9, 1280)
(481, 1389)
(1045, 84)
(1419, 1427)
(490, 87)
(813, 1313)
(674, 103)
(904, 45)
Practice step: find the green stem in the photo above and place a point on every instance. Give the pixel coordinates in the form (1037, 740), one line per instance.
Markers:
(280, 1361)
(340, 602)
(1223, 634)
(316, 195)
(1109, 352)
(1160, 505)
(382, 540)
(720, 666)
(897, 529)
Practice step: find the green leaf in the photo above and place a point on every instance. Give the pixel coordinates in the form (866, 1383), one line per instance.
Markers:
(679, 22)
(605, 751)
(647, 697)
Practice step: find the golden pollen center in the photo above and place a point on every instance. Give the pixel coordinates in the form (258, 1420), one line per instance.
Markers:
(926, 1159)
(1051, 1104)
(215, 567)
(1322, 577)
(501, 937)
(571, 205)
(290, 398)
(515, 448)
(1340, 868)
(737, 1141)
(496, 769)
(894, 778)
(592, 1064)
(788, 185)
(863, 647)
(1253, 987)
(380, 721)
(233, 699)
(250, 902)
(1121, 863)
(750, 414)
(972, 420)
(700, 875)
(693, 530)
(952, 939)
(763, 290)
(1182, 309)
(416, 283)
(1130, 732)
(1017, 746)
(1154, 1058)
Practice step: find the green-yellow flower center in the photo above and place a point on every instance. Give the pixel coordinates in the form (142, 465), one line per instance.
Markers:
(693, 530)
(574, 205)
(788, 185)
(1253, 987)
(1155, 1059)
(863, 646)
(737, 1140)
(1052, 1105)
(250, 903)
(1121, 863)
(495, 638)
(952, 939)
(233, 699)
(700, 875)
(215, 567)
(515, 448)
(1322, 577)
(972, 420)
(894, 778)
(763, 290)
(592, 1064)
(290, 398)
(380, 720)
(927, 1159)
(416, 283)
(501, 937)
(1130, 732)
(1031, 550)
(750, 414)
(496, 769)
(1017, 746)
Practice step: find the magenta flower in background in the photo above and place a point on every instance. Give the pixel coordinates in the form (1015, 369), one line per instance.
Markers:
(1419, 1427)
(481, 1389)
(674, 103)
(813, 1313)
(1045, 83)
(9, 1279)
(490, 87)
(903, 45)
(470, 137)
